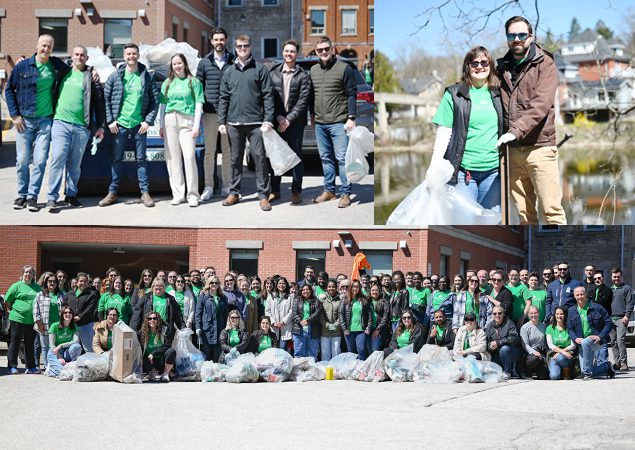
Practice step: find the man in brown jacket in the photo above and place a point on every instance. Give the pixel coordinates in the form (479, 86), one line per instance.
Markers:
(529, 81)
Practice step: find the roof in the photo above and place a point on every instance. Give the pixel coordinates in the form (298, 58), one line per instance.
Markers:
(418, 85)
(604, 48)
(612, 84)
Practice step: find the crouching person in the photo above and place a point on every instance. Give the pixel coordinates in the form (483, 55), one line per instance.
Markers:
(503, 342)
(158, 355)
(471, 339)
(64, 343)
(408, 332)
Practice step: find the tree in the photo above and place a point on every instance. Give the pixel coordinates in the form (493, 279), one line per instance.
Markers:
(603, 30)
(575, 28)
(385, 79)
(550, 43)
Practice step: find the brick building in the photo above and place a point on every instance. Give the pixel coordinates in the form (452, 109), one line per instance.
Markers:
(446, 250)
(349, 23)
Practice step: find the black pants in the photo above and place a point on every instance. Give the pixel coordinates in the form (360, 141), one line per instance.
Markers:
(535, 364)
(292, 136)
(237, 138)
(211, 351)
(158, 364)
(18, 332)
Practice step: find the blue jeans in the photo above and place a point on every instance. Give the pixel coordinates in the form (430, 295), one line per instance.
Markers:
(68, 354)
(86, 333)
(483, 187)
(32, 145)
(332, 142)
(356, 343)
(68, 144)
(373, 344)
(557, 363)
(304, 344)
(590, 351)
(330, 347)
(292, 136)
(44, 347)
(507, 357)
(120, 142)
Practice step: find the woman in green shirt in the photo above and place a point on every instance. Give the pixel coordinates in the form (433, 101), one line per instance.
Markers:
(233, 336)
(46, 310)
(115, 298)
(561, 347)
(19, 301)
(408, 332)
(470, 121)
(180, 117)
(158, 355)
(263, 338)
(64, 342)
(355, 320)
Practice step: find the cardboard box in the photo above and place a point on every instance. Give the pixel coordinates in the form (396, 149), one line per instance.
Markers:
(124, 340)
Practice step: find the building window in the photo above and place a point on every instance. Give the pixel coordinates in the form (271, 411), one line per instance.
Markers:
(117, 33)
(175, 31)
(444, 264)
(594, 228)
(318, 21)
(549, 228)
(371, 21)
(315, 258)
(203, 43)
(186, 34)
(244, 261)
(270, 47)
(234, 2)
(349, 21)
(58, 28)
(269, 2)
(463, 265)
(380, 261)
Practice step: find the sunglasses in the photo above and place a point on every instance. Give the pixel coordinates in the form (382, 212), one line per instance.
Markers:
(469, 320)
(180, 281)
(511, 37)
(563, 269)
(242, 46)
(215, 282)
(497, 314)
(597, 278)
(483, 63)
(234, 317)
(407, 317)
(497, 280)
(152, 318)
(546, 274)
(323, 49)
(474, 281)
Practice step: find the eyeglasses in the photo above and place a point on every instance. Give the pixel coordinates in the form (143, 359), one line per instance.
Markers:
(407, 317)
(484, 64)
(597, 278)
(242, 46)
(497, 280)
(180, 281)
(147, 275)
(215, 282)
(171, 276)
(323, 49)
(228, 281)
(563, 269)
(51, 280)
(152, 318)
(546, 274)
(511, 37)
(474, 281)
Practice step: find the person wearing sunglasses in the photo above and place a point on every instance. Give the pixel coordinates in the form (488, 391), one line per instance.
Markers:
(306, 323)
(547, 277)
(185, 299)
(470, 121)
(560, 291)
(503, 342)
(529, 80)
(500, 295)
(418, 296)
(233, 336)
(441, 299)
(64, 343)
(470, 339)
(102, 340)
(46, 310)
(532, 335)
(235, 298)
(471, 300)
(408, 331)
(441, 333)
(601, 294)
(156, 345)
(159, 301)
(211, 313)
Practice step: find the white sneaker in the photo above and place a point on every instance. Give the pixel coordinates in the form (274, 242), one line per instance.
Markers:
(193, 202)
(177, 201)
(208, 193)
(165, 378)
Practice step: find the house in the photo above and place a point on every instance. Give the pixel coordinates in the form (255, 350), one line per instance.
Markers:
(427, 87)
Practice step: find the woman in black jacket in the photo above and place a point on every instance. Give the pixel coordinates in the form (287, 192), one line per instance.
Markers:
(306, 323)
(380, 320)
(263, 338)
(408, 332)
(161, 302)
(291, 93)
(355, 320)
(233, 336)
(158, 355)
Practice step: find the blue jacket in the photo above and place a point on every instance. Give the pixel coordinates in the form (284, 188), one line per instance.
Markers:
(599, 321)
(113, 95)
(22, 86)
(484, 310)
(236, 300)
(209, 318)
(447, 306)
(560, 294)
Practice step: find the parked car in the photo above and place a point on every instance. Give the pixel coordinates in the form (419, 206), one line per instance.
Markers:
(4, 322)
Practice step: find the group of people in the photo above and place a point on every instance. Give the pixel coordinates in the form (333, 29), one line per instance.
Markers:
(510, 103)
(550, 326)
(61, 107)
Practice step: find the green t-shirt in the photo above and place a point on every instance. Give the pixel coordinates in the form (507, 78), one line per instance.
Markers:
(103, 299)
(179, 296)
(44, 89)
(438, 298)
(356, 316)
(539, 299)
(520, 294)
(373, 314)
(62, 335)
(306, 310)
(54, 308)
(234, 339)
(466, 342)
(560, 338)
(440, 333)
(122, 305)
(130, 113)
(418, 297)
(264, 344)
(182, 95)
(160, 305)
(154, 343)
(482, 131)
(196, 290)
(319, 291)
(109, 344)
(586, 328)
(170, 290)
(404, 338)
(70, 102)
(20, 298)
(471, 304)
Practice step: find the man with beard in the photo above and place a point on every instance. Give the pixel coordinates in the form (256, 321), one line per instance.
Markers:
(560, 291)
(309, 277)
(195, 282)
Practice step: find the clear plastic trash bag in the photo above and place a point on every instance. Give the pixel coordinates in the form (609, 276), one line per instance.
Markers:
(280, 155)
(100, 62)
(213, 372)
(472, 372)
(492, 372)
(243, 370)
(68, 371)
(92, 367)
(360, 144)
(188, 358)
(430, 353)
(274, 365)
(343, 365)
(399, 365)
(445, 372)
(434, 202)
(372, 369)
(306, 369)
(157, 57)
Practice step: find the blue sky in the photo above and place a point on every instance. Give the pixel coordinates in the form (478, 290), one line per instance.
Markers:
(396, 20)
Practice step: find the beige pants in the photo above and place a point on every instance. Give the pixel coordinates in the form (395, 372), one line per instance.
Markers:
(179, 149)
(209, 162)
(534, 175)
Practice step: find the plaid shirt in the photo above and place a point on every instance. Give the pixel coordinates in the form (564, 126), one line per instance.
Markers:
(484, 310)
(41, 307)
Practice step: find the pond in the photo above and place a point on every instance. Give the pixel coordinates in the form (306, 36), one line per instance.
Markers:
(598, 182)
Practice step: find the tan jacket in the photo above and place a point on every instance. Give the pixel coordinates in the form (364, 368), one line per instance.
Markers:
(478, 343)
(100, 337)
(528, 106)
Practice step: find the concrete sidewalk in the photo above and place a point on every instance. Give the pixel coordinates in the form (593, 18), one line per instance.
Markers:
(130, 212)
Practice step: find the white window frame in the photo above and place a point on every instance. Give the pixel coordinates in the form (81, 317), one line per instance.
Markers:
(321, 9)
(371, 27)
(348, 8)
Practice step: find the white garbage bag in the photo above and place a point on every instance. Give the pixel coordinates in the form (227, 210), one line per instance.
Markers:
(343, 365)
(280, 155)
(213, 372)
(243, 370)
(306, 369)
(157, 57)
(400, 364)
(372, 369)
(189, 359)
(274, 365)
(68, 371)
(100, 62)
(360, 144)
(92, 367)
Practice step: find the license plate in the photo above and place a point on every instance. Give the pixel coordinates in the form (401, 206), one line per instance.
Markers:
(151, 155)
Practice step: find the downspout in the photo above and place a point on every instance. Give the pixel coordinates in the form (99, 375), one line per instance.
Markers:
(622, 247)
(292, 16)
(218, 24)
(529, 230)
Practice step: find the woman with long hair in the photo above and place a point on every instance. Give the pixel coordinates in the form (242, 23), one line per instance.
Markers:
(470, 339)
(330, 342)
(471, 300)
(211, 313)
(233, 336)
(102, 339)
(46, 310)
(264, 337)
(279, 309)
(145, 281)
(355, 320)
(180, 118)
(380, 319)
(158, 355)
(115, 298)
(159, 301)
(408, 331)
(306, 323)
(64, 343)
(458, 283)
(561, 347)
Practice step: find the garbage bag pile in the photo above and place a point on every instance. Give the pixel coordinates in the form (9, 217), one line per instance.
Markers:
(306, 369)
(372, 369)
(188, 358)
(100, 62)
(274, 365)
(68, 371)
(243, 369)
(360, 144)
(343, 365)
(213, 372)
(157, 57)
(400, 364)
(92, 367)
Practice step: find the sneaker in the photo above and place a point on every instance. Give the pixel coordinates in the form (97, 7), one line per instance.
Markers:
(177, 201)
(108, 199)
(32, 205)
(51, 205)
(33, 371)
(584, 377)
(207, 194)
(147, 200)
(296, 198)
(616, 366)
(345, 201)
(152, 375)
(611, 372)
(19, 203)
(73, 202)
(165, 378)
(231, 199)
(274, 196)
(516, 375)
(193, 202)
(13, 371)
(624, 367)
(265, 205)
(324, 197)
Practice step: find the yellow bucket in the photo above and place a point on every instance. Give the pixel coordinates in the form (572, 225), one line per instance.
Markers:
(330, 372)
